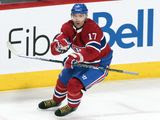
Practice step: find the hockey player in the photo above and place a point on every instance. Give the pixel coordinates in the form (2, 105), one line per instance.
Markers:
(87, 40)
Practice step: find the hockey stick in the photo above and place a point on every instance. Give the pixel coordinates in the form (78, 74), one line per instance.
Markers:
(110, 69)
(11, 48)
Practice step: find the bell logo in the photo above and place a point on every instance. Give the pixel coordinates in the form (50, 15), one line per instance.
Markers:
(136, 31)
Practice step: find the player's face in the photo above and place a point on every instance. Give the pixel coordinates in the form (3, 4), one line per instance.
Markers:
(78, 19)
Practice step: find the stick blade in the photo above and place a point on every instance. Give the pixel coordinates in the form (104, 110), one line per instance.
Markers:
(11, 48)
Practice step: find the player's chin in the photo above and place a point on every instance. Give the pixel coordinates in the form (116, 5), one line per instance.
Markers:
(78, 25)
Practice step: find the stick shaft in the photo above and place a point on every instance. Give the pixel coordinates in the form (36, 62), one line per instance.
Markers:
(10, 47)
(122, 71)
(42, 59)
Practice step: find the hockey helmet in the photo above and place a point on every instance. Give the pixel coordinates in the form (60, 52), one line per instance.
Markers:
(79, 8)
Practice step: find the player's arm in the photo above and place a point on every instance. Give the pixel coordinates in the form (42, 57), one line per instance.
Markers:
(91, 51)
(60, 43)
(92, 48)
(88, 53)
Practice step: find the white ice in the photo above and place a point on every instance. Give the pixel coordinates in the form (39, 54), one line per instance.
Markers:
(117, 100)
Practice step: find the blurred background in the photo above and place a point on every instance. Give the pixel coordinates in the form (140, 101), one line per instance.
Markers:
(16, 1)
(132, 28)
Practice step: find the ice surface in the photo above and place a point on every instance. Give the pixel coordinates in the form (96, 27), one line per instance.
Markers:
(117, 100)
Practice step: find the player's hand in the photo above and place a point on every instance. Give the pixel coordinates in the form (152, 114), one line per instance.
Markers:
(59, 47)
(54, 48)
(62, 43)
(71, 59)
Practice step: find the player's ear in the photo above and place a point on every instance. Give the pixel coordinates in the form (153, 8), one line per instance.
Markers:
(71, 15)
(86, 16)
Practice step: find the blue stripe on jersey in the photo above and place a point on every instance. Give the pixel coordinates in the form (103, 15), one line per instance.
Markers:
(98, 46)
(95, 45)
(103, 43)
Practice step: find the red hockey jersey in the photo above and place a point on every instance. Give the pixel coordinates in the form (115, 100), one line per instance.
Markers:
(88, 40)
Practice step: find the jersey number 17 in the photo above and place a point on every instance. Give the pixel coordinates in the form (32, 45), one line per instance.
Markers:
(92, 36)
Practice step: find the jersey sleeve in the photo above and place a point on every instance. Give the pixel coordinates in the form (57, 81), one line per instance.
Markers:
(66, 31)
(61, 42)
(92, 48)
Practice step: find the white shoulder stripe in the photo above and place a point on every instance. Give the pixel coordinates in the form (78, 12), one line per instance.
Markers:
(93, 42)
(102, 37)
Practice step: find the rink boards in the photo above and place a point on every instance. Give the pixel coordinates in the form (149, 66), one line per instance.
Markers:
(49, 77)
(131, 28)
